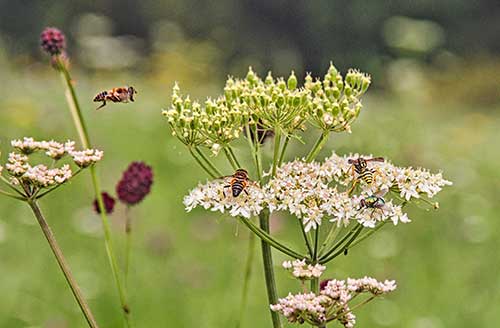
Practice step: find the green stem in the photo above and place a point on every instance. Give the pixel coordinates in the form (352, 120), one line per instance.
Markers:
(54, 246)
(340, 242)
(346, 246)
(254, 152)
(110, 249)
(128, 246)
(8, 194)
(306, 239)
(277, 141)
(234, 156)
(332, 234)
(283, 150)
(210, 173)
(368, 234)
(208, 161)
(272, 293)
(323, 138)
(230, 159)
(7, 182)
(246, 278)
(79, 122)
(316, 243)
(74, 106)
(266, 237)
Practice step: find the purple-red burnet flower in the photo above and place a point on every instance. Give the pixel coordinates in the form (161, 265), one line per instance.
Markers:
(323, 284)
(53, 41)
(109, 203)
(135, 183)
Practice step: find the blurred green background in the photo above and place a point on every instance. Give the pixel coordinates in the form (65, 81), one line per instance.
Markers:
(434, 102)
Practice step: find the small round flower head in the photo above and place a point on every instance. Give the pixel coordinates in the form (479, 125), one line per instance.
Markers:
(17, 164)
(135, 183)
(52, 41)
(87, 157)
(53, 149)
(26, 146)
(303, 271)
(109, 203)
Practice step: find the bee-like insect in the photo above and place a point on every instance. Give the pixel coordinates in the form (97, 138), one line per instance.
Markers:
(121, 94)
(238, 183)
(360, 166)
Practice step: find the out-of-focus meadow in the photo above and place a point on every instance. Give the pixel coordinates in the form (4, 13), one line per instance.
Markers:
(434, 102)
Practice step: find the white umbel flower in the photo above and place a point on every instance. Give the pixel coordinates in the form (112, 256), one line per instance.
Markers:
(303, 271)
(332, 303)
(215, 197)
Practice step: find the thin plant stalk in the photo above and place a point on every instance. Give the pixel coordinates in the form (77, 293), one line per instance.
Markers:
(8, 194)
(306, 238)
(246, 278)
(283, 150)
(265, 236)
(128, 243)
(54, 246)
(208, 161)
(203, 166)
(231, 159)
(332, 235)
(320, 143)
(346, 246)
(272, 293)
(277, 142)
(234, 156)
(79, 122)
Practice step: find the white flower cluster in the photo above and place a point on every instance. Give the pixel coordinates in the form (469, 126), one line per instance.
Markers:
(303, 307)
(310, 191)
(40, 176)
(332, 303)
(87, 157)
(303, 271)
(215, 195)
(409, 182)
(53, 149)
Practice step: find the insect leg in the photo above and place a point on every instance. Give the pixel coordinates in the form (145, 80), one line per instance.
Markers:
(103, 104)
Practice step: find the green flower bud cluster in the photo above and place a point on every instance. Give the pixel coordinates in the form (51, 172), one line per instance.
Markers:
(331, 104)
(274, 103)
(335, 102)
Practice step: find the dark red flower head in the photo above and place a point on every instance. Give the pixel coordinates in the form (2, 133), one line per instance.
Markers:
(52, 41)
(109, 203)
(323, 284)
(135, 183)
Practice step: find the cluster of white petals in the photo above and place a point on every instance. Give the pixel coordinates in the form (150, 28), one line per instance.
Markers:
(17, 164)
(87, 157)
(315, 191)
(214, 196)
(41, 176)
(409, 182)
(20, 171)
(332, 303)
(301, 270)
(303, 307)
(53, 149)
